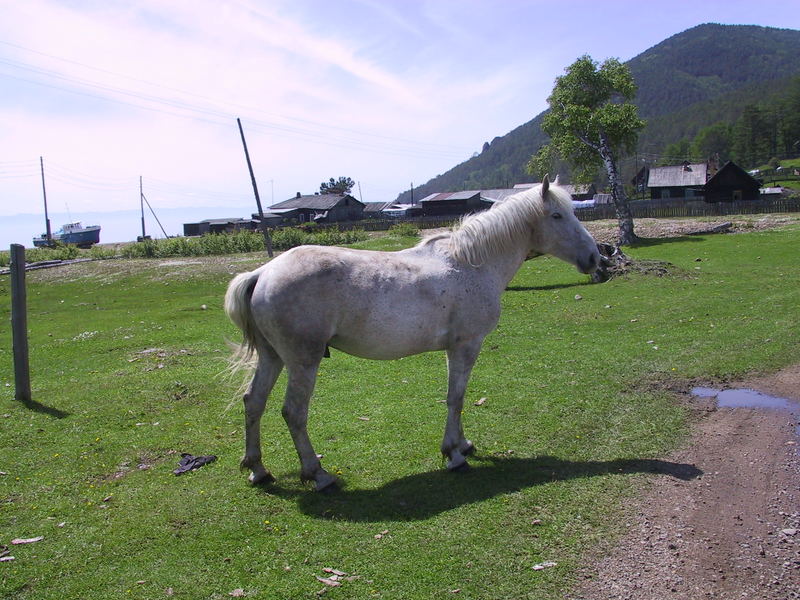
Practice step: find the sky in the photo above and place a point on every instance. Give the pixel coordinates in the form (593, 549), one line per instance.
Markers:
(388, 92)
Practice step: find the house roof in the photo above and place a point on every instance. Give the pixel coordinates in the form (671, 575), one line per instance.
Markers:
(731, 169)
(313, 202)
(375, 206)
(465, 195)
(678, 175)
(436, 197)
(223, 221)
(499, 195)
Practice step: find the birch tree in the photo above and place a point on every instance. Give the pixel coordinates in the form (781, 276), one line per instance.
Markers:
(591, 124)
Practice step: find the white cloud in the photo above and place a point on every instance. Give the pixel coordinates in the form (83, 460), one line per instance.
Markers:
(384, 91)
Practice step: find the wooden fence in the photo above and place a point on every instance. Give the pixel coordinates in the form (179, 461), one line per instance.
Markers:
(660, 209)
(642, 209)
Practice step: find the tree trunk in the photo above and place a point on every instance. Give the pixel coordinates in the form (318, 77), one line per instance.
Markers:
(623, 209)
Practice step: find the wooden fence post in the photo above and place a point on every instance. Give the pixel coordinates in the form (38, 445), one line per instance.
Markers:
(19, 324)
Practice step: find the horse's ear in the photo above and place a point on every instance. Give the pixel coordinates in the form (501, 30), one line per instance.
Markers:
(545, 186)
(557, 181)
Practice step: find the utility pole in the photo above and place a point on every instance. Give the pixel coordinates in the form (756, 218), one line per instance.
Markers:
(412, 192)
(44, 194)
(141, 205)
(267, 239)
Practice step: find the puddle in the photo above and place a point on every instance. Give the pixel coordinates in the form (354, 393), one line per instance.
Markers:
(745, 398)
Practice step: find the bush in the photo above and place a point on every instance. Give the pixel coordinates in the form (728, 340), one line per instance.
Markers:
(404, 230)
(239, 242)
(288, 237)
(99, 253)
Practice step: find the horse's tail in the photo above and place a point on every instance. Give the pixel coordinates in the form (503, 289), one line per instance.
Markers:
(237, 307)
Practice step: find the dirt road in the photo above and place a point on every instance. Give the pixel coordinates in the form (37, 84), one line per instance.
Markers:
(733, 532)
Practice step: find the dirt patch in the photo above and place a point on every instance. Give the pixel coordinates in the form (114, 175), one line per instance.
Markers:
(103, 272)
(730, 533)
(606, 231)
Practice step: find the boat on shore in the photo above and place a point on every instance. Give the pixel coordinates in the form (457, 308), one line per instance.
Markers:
(71, 233)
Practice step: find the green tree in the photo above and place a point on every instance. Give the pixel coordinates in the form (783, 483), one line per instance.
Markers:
(752, 137)
(714, 139)
(592, 123)
(675, 153)
(343, 185)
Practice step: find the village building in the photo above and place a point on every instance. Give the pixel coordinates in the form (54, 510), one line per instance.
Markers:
(321, 208)
(699, 181)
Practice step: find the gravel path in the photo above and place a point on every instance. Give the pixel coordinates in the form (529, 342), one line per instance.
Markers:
(733, 532)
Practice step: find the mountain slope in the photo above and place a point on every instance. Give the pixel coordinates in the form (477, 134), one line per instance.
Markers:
(689, 81)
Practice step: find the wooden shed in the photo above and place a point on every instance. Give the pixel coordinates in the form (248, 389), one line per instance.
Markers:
(453, 203)
(686, 180)
(731, 184)
(325, 208)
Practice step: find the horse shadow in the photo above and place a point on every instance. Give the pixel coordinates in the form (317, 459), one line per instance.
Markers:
(552, 286)
(650, 242)
(423, 495)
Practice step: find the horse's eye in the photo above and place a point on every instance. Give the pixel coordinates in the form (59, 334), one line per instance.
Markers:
(556, 215)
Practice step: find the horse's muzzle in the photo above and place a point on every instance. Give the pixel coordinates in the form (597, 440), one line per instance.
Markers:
(590, 263)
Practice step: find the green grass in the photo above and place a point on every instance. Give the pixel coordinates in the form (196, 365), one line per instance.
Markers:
(126, 375)
(60, 252)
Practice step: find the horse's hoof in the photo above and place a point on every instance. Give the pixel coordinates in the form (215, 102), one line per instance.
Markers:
(264, 478)
(325, 482)
(462, 468)
(457, 463)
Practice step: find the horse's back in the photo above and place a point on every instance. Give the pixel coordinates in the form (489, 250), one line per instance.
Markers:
(367, 303)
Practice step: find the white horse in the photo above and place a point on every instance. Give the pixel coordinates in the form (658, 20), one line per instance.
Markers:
(442, 294)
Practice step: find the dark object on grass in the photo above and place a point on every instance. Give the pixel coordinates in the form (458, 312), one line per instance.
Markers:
(189, 463)
(614, 262)
(721, 228)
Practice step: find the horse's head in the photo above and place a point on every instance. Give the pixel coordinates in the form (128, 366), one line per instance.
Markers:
(560, 233)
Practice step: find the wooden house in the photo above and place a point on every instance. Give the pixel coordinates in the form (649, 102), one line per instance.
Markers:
(323, 208)
(453, 203)
(731, 184)
(686, 180)
(702, 181)
(374, 210)
(581, 191)
(218, 226)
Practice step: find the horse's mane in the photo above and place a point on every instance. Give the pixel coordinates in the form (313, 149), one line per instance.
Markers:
(477, 237)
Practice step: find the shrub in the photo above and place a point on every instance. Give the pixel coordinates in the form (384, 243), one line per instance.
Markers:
(288, 237)
(404, 230)
(241, 241)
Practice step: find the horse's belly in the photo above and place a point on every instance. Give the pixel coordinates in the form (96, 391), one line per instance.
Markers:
(387, 345)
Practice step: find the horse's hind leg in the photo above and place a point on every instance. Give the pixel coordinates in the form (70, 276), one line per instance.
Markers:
(459, 366)
(295, 412)
(255, 400)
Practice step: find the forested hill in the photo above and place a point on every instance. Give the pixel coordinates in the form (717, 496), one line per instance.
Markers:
(687, 82)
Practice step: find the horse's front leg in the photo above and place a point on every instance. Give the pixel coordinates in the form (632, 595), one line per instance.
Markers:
(459, 366)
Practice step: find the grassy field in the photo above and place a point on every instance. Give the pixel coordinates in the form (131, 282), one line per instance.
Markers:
(127, 359)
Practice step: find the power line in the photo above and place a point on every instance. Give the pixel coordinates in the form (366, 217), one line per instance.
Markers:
(325, 126)
(320, 133)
